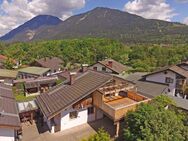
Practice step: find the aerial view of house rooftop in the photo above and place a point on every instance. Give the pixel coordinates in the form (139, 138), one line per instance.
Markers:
(34, 70)
(59, 98)
(9, 118)
(109, 95)
(174, 68)
(39, 85)
(54, 63)
(3, 59)
(109, 65)
(149, 89)
(4, 73)
(154, 89)
(114, 65)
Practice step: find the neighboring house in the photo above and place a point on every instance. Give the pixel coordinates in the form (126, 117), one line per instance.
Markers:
(87, 98)
(175, 76)
(54, 63)
(9, 118)
(7, 76)
(110, 66)
(149, 89)
(65, 75)
(3, 59)
(33, 72)
(153, 89)
(180, 103)
(39, 85)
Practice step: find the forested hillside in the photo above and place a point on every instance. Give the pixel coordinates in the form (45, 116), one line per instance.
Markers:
(111, 23)
(141, 57)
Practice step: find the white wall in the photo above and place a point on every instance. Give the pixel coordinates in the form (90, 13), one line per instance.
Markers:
(99, 67)
(161, 77)
(67, 123)
(82, 118)
(6, 134)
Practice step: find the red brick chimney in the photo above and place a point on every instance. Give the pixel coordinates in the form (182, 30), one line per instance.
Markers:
(110, 63)
(72, 77)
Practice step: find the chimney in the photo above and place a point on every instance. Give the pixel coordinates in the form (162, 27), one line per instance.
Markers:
(84, 67)
(72, 77)
(110, 63)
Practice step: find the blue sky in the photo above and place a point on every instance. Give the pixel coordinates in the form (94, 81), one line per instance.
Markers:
(15, 12)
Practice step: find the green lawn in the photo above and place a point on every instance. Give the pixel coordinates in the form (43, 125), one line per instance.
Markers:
(20, 97)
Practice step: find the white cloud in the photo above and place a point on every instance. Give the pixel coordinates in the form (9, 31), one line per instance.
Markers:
(16, 12)
(185, 21)
(151, 9)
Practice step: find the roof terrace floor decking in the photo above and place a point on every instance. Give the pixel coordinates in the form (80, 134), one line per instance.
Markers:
(123, 102)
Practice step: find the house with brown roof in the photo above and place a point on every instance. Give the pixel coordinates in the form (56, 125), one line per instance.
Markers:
(110, 66)
(7, 76)
(54, 63)
(3, 59)
(86, 98)
(175, 76)
(33, 72)
(9, 118)
(40, 85)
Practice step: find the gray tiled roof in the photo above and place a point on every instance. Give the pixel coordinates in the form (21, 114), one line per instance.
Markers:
(59, 98)
(52, 63)
(8, 110)
(116, 67)
(149, 89)
(182, 103)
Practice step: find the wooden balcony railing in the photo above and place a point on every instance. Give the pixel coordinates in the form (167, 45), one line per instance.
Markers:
(116, 106)
(120, 112)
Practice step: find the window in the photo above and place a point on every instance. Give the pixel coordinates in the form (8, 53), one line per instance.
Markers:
(169, 80)
(95, 68)
(73, 114)
(165, 72)
(103, 68)
(90, 110)
(168, 90)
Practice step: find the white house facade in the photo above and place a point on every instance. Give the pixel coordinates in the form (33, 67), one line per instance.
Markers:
(71, 118)
(166, 77)
(175, 76)
(102, 68)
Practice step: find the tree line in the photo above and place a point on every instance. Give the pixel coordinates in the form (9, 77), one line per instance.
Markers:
(140, 57)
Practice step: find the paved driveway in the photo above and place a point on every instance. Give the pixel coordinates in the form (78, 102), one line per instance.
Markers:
(32, 133)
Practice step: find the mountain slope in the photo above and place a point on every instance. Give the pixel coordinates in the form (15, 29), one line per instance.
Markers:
(111, 23)
(115, 24)
(27, 30)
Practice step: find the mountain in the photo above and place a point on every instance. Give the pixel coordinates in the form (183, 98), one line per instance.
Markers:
(26, 31)
(115, 24)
